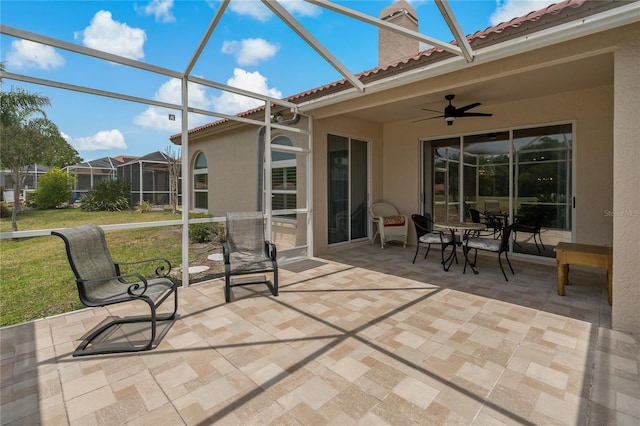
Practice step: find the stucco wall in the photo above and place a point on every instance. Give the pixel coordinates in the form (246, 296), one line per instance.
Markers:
(626, 175)
(590, 110)
(232, 184)
(232, 160)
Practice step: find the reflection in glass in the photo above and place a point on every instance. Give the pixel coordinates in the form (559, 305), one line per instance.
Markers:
(533, 164)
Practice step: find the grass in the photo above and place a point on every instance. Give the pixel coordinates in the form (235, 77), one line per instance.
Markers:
(35, 278)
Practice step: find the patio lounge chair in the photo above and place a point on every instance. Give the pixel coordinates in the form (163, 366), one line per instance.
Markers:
(426, 235)
(100, 283)
(247, 252)
(488, 244)
(391, 225)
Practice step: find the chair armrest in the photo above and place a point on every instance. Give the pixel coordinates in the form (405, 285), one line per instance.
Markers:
(271, 250)
(226, 253)
(134, 287)
(161, 271)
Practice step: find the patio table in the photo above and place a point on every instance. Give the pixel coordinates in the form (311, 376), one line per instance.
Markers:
(585, 255)
(464, 228)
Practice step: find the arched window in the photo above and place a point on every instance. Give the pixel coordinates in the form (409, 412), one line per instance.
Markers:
(283, 176)
(200, 182)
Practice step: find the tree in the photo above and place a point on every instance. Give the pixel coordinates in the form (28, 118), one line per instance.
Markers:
(174, 162)
(54, 188)
(60, 154)
(28, 137)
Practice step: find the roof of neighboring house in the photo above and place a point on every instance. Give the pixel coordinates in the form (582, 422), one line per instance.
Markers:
(550, 16)
(100, 163)
(153, 157)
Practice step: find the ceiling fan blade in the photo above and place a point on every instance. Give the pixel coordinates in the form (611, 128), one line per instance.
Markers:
(468, 107)
(475, 114)
(427, 118)
(432, 110)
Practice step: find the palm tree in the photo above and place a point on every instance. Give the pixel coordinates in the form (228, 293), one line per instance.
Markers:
(24, 131)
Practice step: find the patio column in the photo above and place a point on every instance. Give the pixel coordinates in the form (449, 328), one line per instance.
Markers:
(626, 175)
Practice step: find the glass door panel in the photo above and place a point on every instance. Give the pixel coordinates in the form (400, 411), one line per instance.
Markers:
(338, 188)
(347, 189)
(542, 197)
(359, 189)
(446, 165)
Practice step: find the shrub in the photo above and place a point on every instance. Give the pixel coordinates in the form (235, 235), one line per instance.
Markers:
(54, 188)
(206, 232)
(5, 211)
(143, 207)
(109, 195)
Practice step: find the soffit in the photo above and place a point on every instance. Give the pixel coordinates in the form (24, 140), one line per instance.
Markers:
(549, 80)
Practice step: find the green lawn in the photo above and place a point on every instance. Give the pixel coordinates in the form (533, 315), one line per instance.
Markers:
(35, 278)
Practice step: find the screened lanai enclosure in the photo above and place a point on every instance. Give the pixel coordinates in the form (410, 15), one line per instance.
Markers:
(516, 175)
(91, 173)
(149, 178)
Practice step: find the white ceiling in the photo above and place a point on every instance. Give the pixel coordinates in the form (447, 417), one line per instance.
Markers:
(579, 74)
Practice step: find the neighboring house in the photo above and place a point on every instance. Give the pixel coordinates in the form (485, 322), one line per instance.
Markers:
(30, 184)
(90, 173)
(563, 87)
(149, 178)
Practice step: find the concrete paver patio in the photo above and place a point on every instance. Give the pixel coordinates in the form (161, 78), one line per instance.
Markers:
(359, 336)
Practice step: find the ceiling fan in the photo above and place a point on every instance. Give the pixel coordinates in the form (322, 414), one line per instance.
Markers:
(451, 112)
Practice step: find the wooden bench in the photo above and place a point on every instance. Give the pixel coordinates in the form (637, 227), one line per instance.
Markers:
(585, 255)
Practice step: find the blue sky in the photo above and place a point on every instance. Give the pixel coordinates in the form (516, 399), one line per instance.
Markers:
(250, 48)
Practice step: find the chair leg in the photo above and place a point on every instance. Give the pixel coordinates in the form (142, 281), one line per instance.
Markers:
(153, 318)
(453, 256)
(427, 253)
(506, 254)
(467, 261)
(501, 268)
(275, 279)
(538, 239)
(227, 283)
(416, 255)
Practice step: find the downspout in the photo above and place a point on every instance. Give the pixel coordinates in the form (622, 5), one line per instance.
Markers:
(261, 151)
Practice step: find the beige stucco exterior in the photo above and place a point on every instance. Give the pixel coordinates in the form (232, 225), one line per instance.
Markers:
(592, 82)
(626, 178)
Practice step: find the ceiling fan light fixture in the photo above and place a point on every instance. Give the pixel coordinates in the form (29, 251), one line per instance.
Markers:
(450, 120)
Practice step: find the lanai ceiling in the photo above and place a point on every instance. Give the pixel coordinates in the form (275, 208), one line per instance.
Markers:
(534, 83)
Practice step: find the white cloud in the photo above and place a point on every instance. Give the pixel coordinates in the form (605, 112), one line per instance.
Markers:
(301, 8)
(508, 9)
(250, 51)
(28, 54)
(160, 9)
(157, 118)
(103, 140)
(253, 9)
(260, 12)
(103, 33)
(230, 103)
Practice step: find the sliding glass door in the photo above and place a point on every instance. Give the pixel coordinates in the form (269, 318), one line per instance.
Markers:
(348, 189)
(542, 199)
(521, 176)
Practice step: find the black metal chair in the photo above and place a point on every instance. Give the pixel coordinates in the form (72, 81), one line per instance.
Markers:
(488, 244)
(247, 252)
(492, 222)
(100, 283)
(532, 228)
(426, 235)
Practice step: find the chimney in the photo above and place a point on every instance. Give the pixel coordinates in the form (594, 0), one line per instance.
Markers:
(392, 47)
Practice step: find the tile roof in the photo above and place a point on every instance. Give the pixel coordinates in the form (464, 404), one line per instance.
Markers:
(550, 16)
